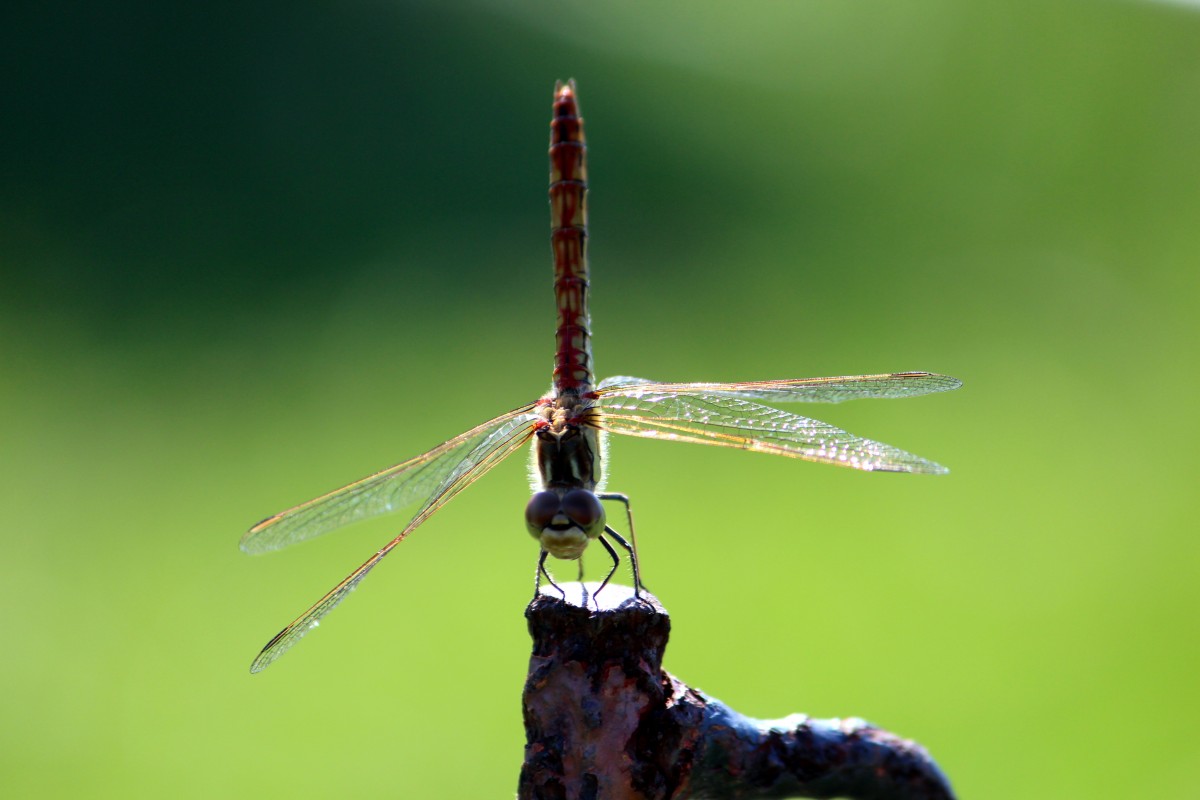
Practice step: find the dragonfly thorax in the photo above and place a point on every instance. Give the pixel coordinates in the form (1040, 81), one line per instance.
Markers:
(565, 454)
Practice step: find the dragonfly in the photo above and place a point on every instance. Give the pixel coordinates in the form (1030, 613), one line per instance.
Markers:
(568, 426)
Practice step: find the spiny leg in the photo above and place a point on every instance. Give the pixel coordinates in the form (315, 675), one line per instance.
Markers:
(621, 498)
(537, 574)
(633, 562)
(616, 561)
(581, 586)
(537, 578)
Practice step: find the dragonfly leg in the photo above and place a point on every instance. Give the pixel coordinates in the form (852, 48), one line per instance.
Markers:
(624, 499)
(581, 585)
(633, 562)
(616, 560)
(537, 578)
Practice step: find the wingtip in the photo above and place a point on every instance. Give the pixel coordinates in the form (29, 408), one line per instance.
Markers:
(268, 655)
(926, 467)
(919, 467)
(262, 661)
(248, 542)
(949, 382)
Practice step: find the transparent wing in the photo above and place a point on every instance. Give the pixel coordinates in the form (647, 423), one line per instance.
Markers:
(500, 442)
(728, 421)
(388, 490)
(798, 390)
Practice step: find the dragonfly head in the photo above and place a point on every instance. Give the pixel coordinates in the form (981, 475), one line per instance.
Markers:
(564, 520)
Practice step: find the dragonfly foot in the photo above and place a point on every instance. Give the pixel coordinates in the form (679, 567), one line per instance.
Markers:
(537, 579)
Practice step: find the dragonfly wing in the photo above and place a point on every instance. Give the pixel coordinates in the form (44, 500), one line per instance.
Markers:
(501, 441)
(729, 421)
(619, 383)
(388, 490)
(799, 390)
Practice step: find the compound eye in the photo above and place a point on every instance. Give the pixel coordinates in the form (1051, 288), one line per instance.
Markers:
(540, 512)
(583, 508)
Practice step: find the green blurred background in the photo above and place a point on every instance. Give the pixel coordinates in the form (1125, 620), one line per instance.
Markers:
(253, 251)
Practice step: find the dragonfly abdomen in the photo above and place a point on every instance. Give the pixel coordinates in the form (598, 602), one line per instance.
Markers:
(568, 238)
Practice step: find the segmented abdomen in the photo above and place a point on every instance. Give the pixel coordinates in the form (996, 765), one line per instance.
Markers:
(568, 238)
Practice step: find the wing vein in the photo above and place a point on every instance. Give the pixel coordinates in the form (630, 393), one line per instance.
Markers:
(383, 492)
(481, 459)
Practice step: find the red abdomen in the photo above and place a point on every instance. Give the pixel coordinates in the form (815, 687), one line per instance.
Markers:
(568, 238)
